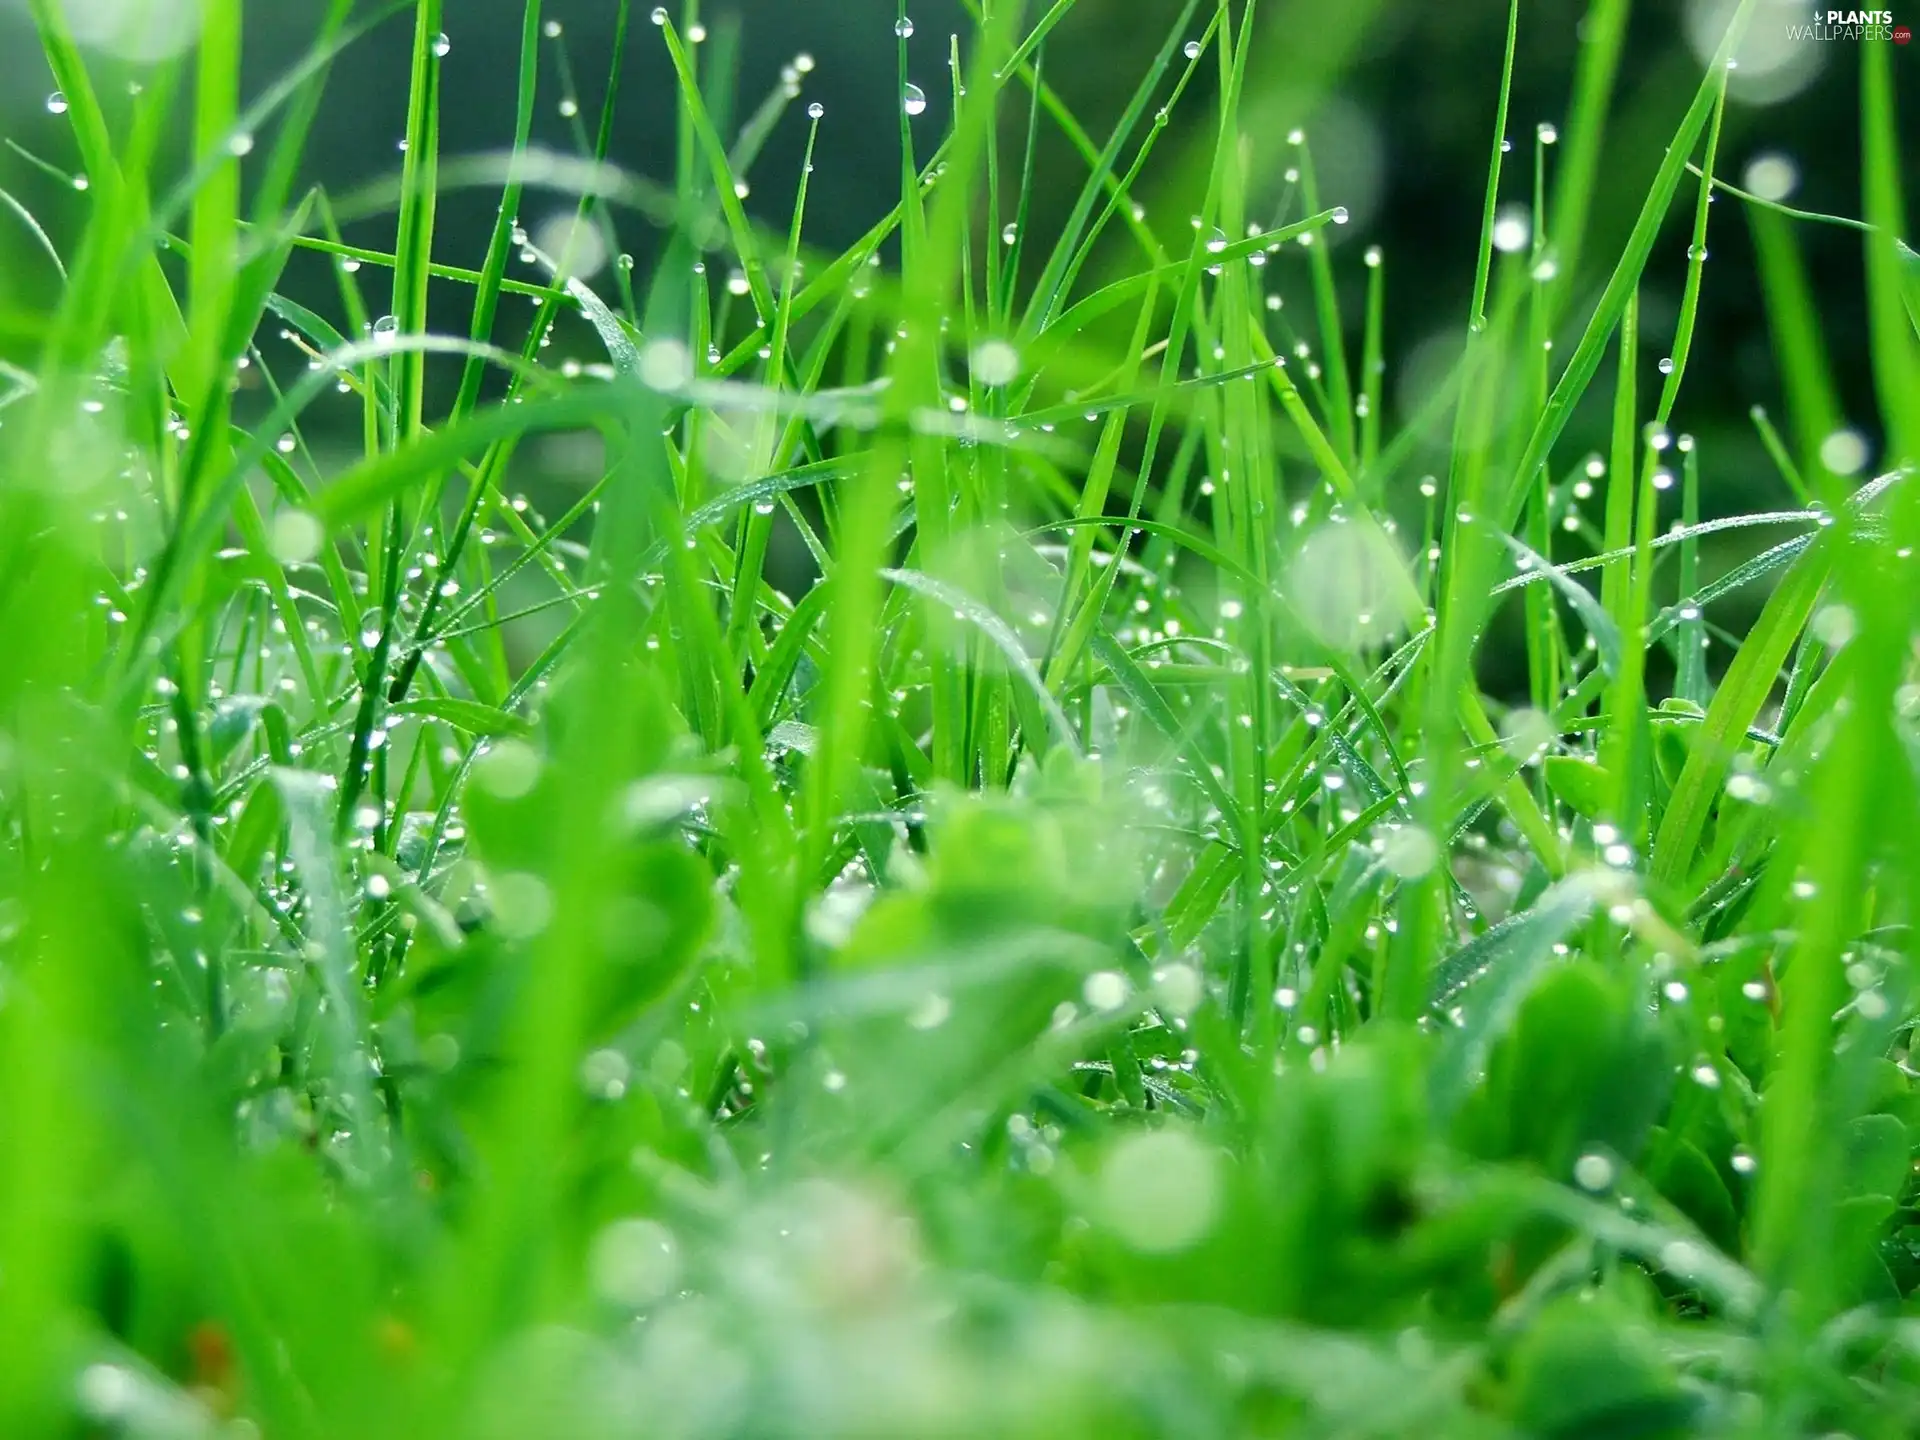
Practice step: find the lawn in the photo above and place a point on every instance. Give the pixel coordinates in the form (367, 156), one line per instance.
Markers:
(985, 833)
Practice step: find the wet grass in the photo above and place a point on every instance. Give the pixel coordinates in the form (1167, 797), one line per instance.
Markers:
(963, 879)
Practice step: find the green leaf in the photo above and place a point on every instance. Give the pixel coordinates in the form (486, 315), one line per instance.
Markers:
(1001, 634)
(1586, 1369)
(1910, 280)
(1684, 1175)
(1879, 1155)
(1489, 979)
(468, 715)
(1584, 785)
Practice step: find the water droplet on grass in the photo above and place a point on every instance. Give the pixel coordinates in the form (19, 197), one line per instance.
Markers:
(903, 27)
(1512, 229)
(442, 46)
(1178, 989)
(995, 362)
(1844, 452)
(665, 365)
(913, 100)
(1593, 1172)
(522, 904)
(1410, 852)
(604, 1074)
(816, 111)
(1192, 50)
(1833, 626)
(1159, 1192)
(57, 103)
(1105, 990)
(296, 537)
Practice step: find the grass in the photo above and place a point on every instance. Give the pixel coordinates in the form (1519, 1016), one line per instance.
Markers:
(1087, 958)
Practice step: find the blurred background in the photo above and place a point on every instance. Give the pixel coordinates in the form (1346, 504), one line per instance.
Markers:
(1397, 98)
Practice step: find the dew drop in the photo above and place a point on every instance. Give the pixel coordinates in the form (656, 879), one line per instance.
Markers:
(1410, 852)
(914, 99)
(1159, 1191)
(442, 46)
(1512, 229)
(1844, 452)
(1772, 176)
(816, 111)
(903, 27)
(1105, 990)
(995, 362)
(1593, 1172)
(296, 537)
(1192, 50)
(57, 103)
